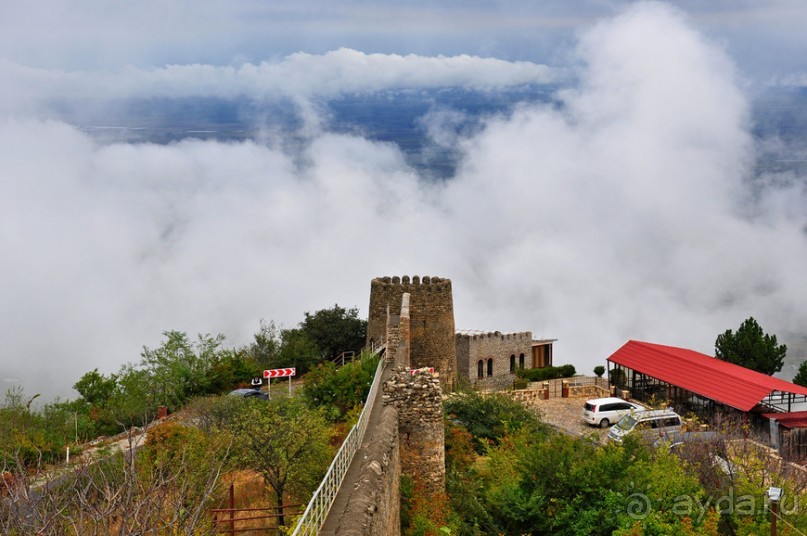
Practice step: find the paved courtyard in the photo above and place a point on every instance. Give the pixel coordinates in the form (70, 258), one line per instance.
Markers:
(564, 414)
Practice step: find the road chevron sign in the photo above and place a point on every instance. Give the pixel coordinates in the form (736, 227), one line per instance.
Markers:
(279, 373)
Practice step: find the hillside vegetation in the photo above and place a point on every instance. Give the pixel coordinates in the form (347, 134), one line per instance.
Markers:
(509, 474)
(167, 483)
(506, 471)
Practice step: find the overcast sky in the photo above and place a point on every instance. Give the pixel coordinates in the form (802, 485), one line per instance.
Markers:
(626, 214)
(765, 37)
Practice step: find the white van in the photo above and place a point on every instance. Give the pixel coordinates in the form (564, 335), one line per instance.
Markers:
(604, 412)
(652, 424)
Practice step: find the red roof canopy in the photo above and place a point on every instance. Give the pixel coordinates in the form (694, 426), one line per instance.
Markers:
(794, 419)
(707, 376)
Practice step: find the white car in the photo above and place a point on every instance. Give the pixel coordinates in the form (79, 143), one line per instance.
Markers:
(604, 412)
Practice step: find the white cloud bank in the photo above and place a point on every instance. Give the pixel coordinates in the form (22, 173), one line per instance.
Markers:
(624, 215)
(299, 75)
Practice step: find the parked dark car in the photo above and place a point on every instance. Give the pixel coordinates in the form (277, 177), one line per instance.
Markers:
(249, 393)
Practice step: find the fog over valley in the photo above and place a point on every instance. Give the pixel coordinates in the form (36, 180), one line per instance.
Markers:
(641, 176)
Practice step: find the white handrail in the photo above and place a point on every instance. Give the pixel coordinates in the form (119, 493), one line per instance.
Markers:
(320, 504)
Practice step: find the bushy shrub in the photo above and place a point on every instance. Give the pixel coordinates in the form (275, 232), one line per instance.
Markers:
(547, 373)
(423, 513)
(468, 515)
(338, 390)
(568, 485)
(170, 442)
(489, 418)
(213, 413)
(617, 377)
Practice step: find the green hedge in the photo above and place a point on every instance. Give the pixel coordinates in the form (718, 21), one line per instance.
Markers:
(546, 373)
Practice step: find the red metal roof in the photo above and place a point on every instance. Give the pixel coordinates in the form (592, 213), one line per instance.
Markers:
(705, 375)
(794, 419)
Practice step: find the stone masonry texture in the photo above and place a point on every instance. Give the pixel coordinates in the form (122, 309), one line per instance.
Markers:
(431, 320)
(374, 505)
(496, 346)
(418, 398)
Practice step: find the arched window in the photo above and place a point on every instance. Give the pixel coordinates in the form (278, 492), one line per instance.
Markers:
(520, 360)
(512, 363)
(480, 369)
(490, 366)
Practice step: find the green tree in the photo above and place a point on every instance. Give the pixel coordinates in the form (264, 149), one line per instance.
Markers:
(181, 369)
(801, 375)
(30, 436)
(95, 388)
(287, 442)
(324, 334)
(599, 370)
(282, 348)
(232, 367)
(20, 439)
(752, 348)
(335, 330)
(266, 345)
(133, 402)
(567, 485)
(297, 350)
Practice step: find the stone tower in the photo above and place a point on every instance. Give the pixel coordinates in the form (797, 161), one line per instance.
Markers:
(431, 320)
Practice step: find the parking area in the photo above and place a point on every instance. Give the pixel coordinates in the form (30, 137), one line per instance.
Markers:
(564, 414)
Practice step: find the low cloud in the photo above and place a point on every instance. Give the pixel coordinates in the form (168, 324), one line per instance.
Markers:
(791, 80)
(298, 76)
(627, 212)
(630, 214)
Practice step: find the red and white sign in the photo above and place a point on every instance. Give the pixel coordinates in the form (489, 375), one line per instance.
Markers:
(279, 373)
(430, 370)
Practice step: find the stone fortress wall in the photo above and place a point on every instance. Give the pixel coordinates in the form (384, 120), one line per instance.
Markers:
(417, 397)
(431, 320)
(415, 318)
(405, 436)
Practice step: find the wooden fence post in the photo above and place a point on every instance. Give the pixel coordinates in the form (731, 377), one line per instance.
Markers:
(232, 507)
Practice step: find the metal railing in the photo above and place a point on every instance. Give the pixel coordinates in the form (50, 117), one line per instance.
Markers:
(344, 357)
(314, 516)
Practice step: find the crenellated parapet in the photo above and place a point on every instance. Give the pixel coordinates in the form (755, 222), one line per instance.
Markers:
(523, 336)
(435, 284)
